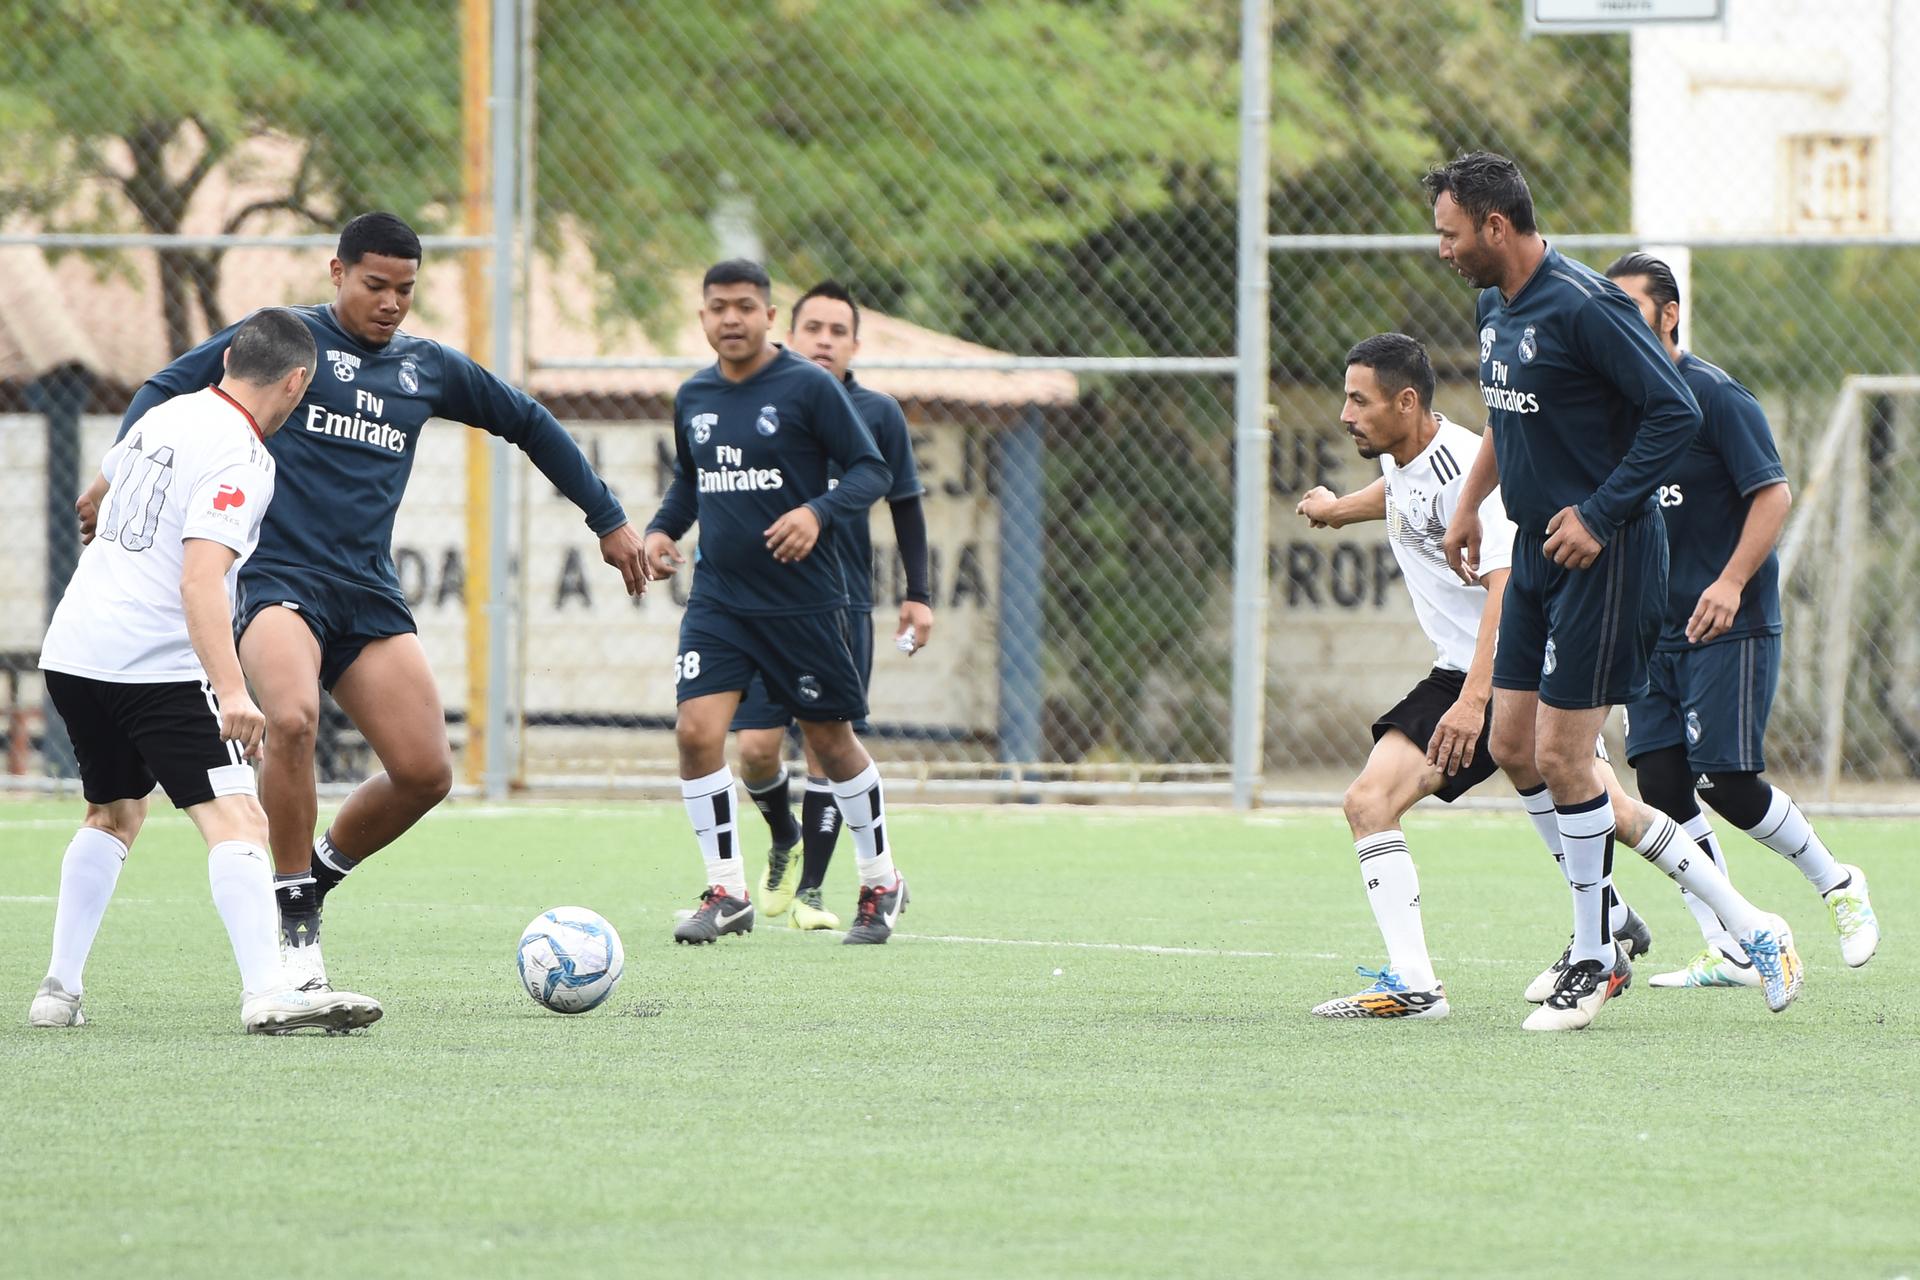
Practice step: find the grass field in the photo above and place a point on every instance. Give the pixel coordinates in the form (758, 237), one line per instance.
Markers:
(1020, 1084)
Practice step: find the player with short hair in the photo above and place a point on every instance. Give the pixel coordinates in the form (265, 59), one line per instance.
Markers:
(824, 326)
(754, 436)
(140, 662)
(320, 602)
(1432, 742)
(1702, 723)
(1586, 415)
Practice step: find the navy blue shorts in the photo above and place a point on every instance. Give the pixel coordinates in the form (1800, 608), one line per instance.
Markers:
(759, 711)
(805, 660)
(1583, 637)
(345, 617)
(1713, 700)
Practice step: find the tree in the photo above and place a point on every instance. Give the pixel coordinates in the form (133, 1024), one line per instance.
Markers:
(145, 99)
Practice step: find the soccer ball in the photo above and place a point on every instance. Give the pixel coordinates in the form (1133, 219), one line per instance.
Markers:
(570, 960)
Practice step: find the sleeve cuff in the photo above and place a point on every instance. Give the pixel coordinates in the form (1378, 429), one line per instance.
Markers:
(1597, 526)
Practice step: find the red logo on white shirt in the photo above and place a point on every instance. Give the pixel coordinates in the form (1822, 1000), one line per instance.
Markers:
(228, 497)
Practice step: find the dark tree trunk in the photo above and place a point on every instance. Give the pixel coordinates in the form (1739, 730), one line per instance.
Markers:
(162, 204)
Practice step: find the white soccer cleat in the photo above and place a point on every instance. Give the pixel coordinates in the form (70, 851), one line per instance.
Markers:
(55, 1006)
(277, 1013)
(1583, 988)
(1853, 916)
(1709, 969)
(305, 966)
(1770, 947)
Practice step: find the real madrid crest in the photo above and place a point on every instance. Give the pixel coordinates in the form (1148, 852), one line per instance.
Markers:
(769, 420)
(1529, 346)
(410, 377)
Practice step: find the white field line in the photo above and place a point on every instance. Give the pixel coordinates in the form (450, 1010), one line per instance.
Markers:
(1108, 946)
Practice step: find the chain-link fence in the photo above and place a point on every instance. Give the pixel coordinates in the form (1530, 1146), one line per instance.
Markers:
(1005, 178)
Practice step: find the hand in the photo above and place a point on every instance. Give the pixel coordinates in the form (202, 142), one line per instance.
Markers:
(1455, 737)
(1569, 543)
(662, 556)
(624, 551)
(919, 617)
(1317, 507)
(1462, 544)
(88, 505)
(1714, 615)
(793, 535)
(241, 721)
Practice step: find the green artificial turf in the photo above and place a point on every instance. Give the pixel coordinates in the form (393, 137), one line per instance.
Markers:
(946, 1107)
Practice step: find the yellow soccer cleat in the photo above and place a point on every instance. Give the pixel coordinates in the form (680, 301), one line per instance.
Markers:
(780, 880)
(809, 913)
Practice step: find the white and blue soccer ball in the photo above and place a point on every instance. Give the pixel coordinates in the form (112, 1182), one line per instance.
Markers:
(571, 959)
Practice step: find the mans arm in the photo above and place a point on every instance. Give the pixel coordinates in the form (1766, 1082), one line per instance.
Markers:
(1457, 735)
(910, 535)
(197, 370)
(1617, 342)
(678, 510)
(863, 474)
(1462, 543)
(1720, 602)
(1326, 510)
(476, 397)
(203, 595)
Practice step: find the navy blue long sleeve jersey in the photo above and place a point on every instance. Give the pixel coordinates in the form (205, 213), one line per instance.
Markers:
(853, 539)
(345, 453)
(1587, 410)
(1706, 499)
(748, 452)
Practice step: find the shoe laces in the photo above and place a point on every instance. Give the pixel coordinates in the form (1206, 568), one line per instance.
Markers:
(1383, 979)
(812, 898)
(1577, 982)
(1850, 913)
(777, 862)
(869, 906)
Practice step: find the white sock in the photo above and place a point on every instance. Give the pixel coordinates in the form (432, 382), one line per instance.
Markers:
(863, 806)
(711, 804)
(1786, 831)
(1540, 812)
(1716, 934)
(87, 876)
(1586, 839)
(242, 878)
(1393, 890)
(1686, 864)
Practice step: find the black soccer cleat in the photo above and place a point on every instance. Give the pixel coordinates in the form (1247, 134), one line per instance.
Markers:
(720, 913)
(874, 918)
(1634, 935)
(1633, 938)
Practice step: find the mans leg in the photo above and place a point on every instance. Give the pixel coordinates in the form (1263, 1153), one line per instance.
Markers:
(1666, 783)
(861, 797)
(282, 662)
(389, 694)
(706, 787)
(765, 775)
(820, 822)
(1396, 776)
(88, 874)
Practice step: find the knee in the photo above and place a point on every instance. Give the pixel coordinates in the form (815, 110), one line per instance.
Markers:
(1741, 798)
(1562, 767)
(249, 822)
(293, 722)
(759, 755)
(1510, 750)
(427, 781)
(1366, 808)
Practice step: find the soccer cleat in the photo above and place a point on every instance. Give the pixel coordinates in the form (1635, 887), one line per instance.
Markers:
(1770, 947)
(1388, 997)
(1709, 969)
(1633, 937)
(781, 879)
(1583, 988)
(720, 913)
(305, 966)
(810, 912)
(1853, 917)
(879, 908)
(278, 1013)
(55, 1006)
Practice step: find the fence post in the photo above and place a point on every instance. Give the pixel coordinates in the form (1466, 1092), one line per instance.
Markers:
(502, 731)
(1022, 498)
(1250, 434)
(62, 395)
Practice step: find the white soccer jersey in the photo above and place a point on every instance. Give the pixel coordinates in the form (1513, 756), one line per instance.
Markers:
(193, 467)
(1421, 499)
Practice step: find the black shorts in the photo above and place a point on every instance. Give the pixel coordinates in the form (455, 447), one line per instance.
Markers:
(1714, 700)
(1418, 714)
(125, 736)
(1582, 638)
(805, 660)
(760, 711)
(345, 617)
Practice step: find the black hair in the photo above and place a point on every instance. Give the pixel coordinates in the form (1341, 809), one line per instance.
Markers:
(383, 233)
(270, 344)
(1483, 183)
(832, 290)
(1398, 362)
(738, 271)
(1661, 286)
